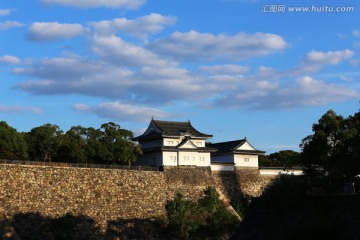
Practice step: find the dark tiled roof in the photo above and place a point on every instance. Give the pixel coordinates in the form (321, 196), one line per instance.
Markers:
(231, 146)
(172, 129)
(178, 129)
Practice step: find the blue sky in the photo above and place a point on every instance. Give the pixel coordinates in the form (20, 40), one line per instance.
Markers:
(235, 68)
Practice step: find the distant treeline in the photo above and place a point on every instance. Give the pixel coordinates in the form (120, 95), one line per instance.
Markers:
(109, 144)
(283, 158)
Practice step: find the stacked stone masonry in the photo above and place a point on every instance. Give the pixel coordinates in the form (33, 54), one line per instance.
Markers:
(106, 195)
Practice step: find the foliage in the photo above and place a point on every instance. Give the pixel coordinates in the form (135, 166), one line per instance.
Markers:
(205, 218)
(285, 158)
(334, 147)
(43, 142)
(12, 143)
(110, 144)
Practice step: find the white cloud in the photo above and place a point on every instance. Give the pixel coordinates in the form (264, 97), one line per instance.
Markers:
(356, 33)
(19, 109)
(328, 58)
(73, 75)
(205, 46)
(316, 60)
(5, 12)
(117, 51)
(10, 24)
(129, 4)
(227, 69)
(7, 59)
(305, 92)
(124, 112)
(140, 27)
(51, 31)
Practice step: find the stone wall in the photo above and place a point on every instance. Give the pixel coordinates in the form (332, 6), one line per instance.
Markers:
(99, 194)
(107, 200)
(241, 182)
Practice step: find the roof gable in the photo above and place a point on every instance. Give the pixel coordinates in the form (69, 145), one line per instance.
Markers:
(158, 129)
(237, 146)
(245, 145)
(187, 143)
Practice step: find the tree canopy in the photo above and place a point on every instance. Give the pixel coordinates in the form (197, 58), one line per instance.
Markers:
(334, 145)
(12, 143)
(283, 158)
(109, 144)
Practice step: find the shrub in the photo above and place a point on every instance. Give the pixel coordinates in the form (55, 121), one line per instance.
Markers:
(205, 218)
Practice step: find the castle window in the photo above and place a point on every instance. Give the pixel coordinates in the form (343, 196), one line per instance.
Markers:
(246, 159)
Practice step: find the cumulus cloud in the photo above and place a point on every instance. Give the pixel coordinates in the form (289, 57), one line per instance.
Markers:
(227, 69)
(10, 24)
(128, 4)
(73, 75)
(7, 59)
(140, 27)
(205, 46)
(151, 85)
(124, 112)
(316, 60)
(305, 92)
(5, 12)
(115, 50)
(356, 33)
(51, 31)
(19, 109)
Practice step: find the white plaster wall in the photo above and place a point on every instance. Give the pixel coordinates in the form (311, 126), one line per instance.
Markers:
(176, 141)
(170, 158)
(194, 159)
(171, 141)
(221, 167)
(240, 160)
(279, 171)
(246, 146)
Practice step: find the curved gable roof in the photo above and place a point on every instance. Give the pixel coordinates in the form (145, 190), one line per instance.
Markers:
(235, 147)
(159, 129)
(177, 129)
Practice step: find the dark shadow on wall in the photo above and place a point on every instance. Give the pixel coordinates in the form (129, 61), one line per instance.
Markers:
(229, 185)
(285, 211)
(34, 226)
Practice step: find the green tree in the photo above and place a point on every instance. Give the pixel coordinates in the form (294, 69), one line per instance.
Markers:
(44, 142)
(117, 147)
(334, 146)
(73, 145)
(12, 144)
(320, 148)
(285, 158)
(207, 218)
(264, 161)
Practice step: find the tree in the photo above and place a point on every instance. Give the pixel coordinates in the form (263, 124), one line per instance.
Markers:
(44, 142)
(73, 145)
(320, 148)
(285, 158)
(12, 143)
(334, 146)
(207, 218)
(116, 144)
